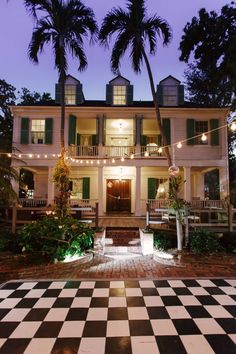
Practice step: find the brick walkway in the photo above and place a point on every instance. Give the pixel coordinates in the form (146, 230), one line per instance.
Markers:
(101, 267)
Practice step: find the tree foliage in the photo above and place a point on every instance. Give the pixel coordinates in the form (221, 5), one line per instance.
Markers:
(209, 46)
(7, 98)
(28, 97)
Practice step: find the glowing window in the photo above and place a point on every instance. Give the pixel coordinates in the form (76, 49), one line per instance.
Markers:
(38, 131)
(119, 95)
(70, 94)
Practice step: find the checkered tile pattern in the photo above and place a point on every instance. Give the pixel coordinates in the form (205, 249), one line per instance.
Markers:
(109, 317)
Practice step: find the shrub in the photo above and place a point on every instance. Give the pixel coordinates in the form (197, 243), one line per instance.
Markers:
(56, 238)
(163, 241)
(203, 241)
(228, 241)
(8, 241)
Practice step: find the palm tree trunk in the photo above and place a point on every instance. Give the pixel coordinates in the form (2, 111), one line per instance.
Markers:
(62, 132)
(157, 109)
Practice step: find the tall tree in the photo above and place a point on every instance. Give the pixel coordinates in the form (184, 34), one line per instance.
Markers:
(64, 24)
(137, 31)
(209, 44)
(27, 97)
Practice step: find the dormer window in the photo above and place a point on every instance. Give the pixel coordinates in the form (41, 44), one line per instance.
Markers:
(170, 95)
(119, 95)
(70, 94)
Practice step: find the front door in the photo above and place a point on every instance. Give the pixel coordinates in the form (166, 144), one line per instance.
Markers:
(118, 195)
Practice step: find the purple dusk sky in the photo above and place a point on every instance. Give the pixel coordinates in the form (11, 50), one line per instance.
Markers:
(15, 33)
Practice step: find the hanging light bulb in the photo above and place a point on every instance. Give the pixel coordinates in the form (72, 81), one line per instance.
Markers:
(30, 156)
(87, 161)
(77, 161)
(98, 162)
(113, 160)
(58, 155)
(122, 159)
(91, 162)
(46, 156)
(146, 154)
(132, 156)
(19, 156)
(160, 150)
(104, 161)
(38, 156)
(9, 155)
(203, 137)
(233, 127)
(53, 155)
(81, 161)
(179, 145)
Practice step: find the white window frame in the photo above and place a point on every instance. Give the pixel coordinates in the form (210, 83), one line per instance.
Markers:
(37, 133)
(119, 95)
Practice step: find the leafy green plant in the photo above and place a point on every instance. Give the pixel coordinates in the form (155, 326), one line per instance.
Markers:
(56, 238)
(162, 240)
(203, 241)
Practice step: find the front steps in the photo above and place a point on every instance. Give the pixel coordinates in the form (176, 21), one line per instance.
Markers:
(122, 241)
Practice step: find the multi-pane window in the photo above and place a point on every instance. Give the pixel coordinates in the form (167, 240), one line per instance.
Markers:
(119, 95)
(200, 128)
(76, 188)
(70, 94)
(38, 131)
(170, 95)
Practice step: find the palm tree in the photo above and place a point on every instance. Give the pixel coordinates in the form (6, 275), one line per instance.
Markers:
(137, 32)
(7, 175)
(63, 24)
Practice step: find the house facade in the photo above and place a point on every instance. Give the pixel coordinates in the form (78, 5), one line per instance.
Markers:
(115, 149)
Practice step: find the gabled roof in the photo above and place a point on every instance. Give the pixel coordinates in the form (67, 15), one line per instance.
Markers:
(119, 76)
(169, 77)
(72, 77)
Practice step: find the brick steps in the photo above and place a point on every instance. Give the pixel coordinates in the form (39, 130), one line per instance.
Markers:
(122, 241)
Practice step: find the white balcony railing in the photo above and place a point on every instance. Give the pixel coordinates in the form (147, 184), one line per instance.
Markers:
(151, 150)
(83, 151)
(118, 151)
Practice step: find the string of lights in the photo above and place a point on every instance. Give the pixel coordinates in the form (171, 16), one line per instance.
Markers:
(113, 160)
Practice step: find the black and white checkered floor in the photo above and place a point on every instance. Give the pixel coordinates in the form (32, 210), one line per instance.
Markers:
(97, 317)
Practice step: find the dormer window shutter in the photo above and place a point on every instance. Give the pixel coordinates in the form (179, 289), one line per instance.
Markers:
(79, 93)
(48, 130)
(180, 95)
(72, 130)
(95, 140)
(151, 188)
(109, 94)
(160, 95)
(190, 131)
(24, 136)
(214, 124)
(130, 94)
(58, 93)
(166, 128)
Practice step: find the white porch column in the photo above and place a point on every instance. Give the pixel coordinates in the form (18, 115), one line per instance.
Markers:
(138, 192)
(100, 190)
(187, 184)
(51, 186)
(15, 184)
(224, 183)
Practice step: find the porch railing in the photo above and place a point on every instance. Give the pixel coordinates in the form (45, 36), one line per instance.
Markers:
(35, 202)
(152, 151)
(83, 151)
(118, 151)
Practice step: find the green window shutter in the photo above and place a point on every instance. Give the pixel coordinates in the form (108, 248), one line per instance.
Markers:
(130, 94)
(57, 93)
(94, 139)
(190, 131)
(109, 94)
(48, 130)
(166, 128)
(214, 124)
(159, 140)
(72, 130)
(151, 188)
(78, 139)
(143, 140)
(79, 93)
(86, 188)
(180, 95)
(160, 95)
(104, 124)
(24, 136)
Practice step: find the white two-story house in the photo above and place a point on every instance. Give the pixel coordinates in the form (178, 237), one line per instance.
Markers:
(114, 146)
